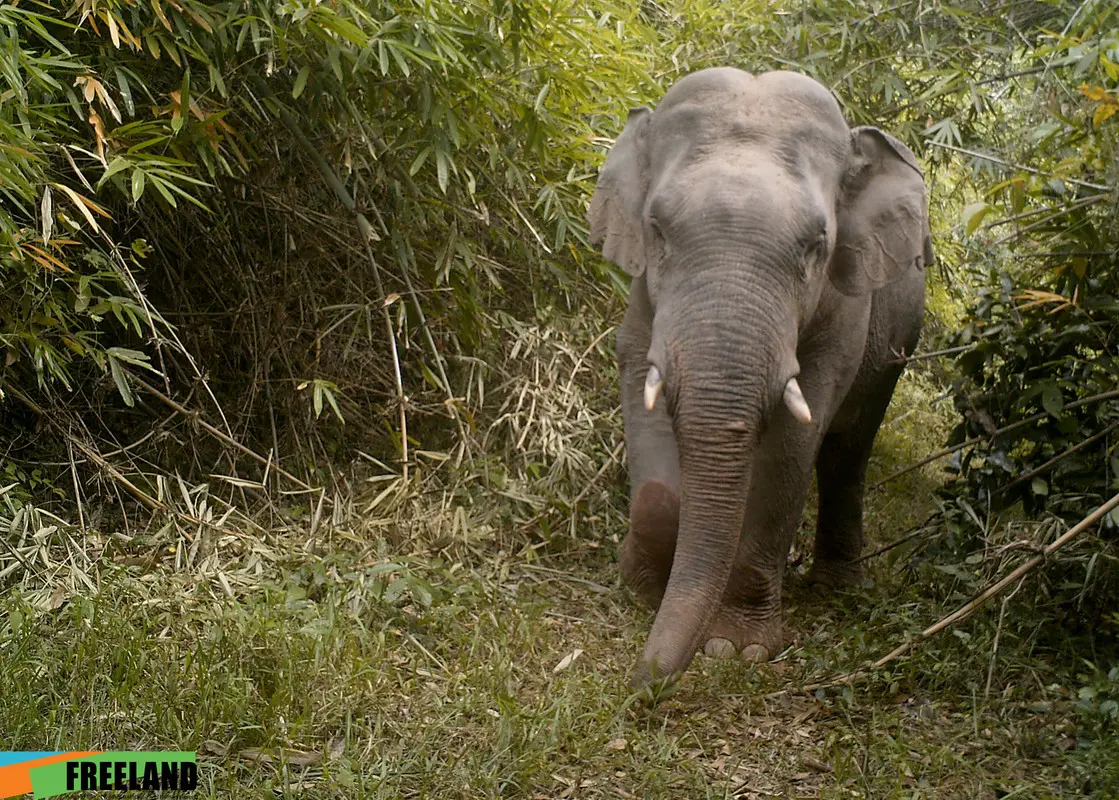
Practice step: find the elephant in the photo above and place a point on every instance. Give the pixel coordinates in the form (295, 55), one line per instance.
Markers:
(778, 260)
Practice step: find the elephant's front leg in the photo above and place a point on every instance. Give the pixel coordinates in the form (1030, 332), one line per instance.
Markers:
(654, 468)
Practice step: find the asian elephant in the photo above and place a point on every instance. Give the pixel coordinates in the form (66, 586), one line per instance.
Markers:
(778, 262)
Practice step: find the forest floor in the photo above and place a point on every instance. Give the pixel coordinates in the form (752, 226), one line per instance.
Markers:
(361, 661)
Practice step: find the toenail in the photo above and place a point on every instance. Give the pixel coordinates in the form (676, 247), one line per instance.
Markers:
(719, 648)
(754, 653)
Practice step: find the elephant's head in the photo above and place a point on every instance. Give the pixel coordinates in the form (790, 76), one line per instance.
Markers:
(740, 199)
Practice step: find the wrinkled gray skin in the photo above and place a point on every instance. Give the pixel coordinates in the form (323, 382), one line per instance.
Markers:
(766, 241)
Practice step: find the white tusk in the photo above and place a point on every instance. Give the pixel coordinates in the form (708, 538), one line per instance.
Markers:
(794, 399)
(653, 385)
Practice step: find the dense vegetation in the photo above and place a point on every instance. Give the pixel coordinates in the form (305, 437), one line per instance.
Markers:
(272, 269)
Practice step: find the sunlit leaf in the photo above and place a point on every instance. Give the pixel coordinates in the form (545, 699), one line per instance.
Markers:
(137, 184)
(973, 215)
(46, 212)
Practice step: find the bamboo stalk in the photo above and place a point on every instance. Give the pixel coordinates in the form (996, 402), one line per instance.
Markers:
(367, 234)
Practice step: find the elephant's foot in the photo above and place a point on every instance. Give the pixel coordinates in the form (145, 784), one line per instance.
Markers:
(648, 549)
(734, 633)
(834, 574)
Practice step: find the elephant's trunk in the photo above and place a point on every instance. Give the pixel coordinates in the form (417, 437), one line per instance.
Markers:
(724, 378)
(713, 502)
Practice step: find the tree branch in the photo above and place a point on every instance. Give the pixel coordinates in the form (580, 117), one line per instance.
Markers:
(976, 439)
(1060, 456)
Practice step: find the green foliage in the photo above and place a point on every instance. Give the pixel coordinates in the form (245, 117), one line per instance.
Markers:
(234, 136)
(1098, 700)
(1033, 353)
(65, 279)
(149, 139)
(1044, 325)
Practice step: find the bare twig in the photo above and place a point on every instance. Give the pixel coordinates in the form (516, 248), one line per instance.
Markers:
(998, 635)
(195, 417)
(1060, 456)
(1007, 76)
(77, 488)
(1083, 202)
(1065, 253)
(976, 439)
(903, 359)
(1021, 167)
(909, 535)
(1033, 212)
(968, 608)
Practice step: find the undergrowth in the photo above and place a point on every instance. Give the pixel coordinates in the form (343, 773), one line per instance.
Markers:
(469, 636)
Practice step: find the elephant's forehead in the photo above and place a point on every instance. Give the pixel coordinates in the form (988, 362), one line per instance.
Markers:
(796, 145)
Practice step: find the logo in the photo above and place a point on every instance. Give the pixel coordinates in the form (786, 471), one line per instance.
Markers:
(50, 774)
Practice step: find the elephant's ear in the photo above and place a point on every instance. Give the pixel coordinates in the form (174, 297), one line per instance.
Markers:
(882, 217)
(619, 197)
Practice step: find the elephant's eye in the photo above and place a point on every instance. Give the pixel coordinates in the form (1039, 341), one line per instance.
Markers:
(817, 246)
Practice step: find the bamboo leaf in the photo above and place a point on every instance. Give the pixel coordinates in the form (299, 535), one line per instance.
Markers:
(80, 203)
(418, 163)
(442, 169)
(137, 184)
(121, 380)
(125, 92)
(300, 82)
(46, 213)
(973, 216)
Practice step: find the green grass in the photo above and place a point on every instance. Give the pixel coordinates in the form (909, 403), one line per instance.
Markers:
(380, 661)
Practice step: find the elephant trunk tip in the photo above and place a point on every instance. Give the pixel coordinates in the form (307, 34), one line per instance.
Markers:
(653, 681)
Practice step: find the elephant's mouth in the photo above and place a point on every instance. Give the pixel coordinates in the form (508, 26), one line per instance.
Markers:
(792, 396)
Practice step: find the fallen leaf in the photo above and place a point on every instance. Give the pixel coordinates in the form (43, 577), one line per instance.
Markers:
(296, 758)
(567, 661)
(815, 764)
(214, 748)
